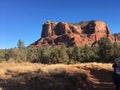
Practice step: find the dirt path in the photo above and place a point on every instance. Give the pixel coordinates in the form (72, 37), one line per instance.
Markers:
(101, 78)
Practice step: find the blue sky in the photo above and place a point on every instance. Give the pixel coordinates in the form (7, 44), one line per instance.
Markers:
(23, 19)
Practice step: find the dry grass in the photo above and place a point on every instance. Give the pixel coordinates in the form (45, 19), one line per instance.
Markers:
(97, 72)
(94, 65)
(9, 68)
(30, 67)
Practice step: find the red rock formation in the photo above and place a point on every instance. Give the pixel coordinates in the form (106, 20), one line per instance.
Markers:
(117, 36)
(84, 33)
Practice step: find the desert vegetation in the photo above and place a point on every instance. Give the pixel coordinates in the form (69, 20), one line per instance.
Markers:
(58, 67)
(105, 52)
(36, 76)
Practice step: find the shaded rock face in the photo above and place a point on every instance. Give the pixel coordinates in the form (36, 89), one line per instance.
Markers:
(117, 36)
(80, 34)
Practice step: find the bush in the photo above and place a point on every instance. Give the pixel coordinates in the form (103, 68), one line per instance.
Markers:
(58, 55)
(105, 52)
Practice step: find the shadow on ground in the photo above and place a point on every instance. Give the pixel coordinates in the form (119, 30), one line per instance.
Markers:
(103, 79)
(45, 81)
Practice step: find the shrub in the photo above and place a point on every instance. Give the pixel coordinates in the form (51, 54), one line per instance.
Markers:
(105, 52)
(58, 55)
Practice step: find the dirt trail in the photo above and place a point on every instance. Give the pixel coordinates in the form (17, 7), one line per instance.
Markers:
(102, 80)
(100, 77)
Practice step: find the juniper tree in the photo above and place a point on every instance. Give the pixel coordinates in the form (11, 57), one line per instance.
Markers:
(20, 44)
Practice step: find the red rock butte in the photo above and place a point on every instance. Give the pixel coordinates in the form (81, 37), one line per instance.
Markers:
(80, 34)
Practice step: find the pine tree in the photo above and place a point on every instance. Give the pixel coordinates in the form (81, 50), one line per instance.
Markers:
(20, 44)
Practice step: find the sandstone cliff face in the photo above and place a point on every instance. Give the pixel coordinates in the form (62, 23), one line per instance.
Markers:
(117, 36)
(84, 33)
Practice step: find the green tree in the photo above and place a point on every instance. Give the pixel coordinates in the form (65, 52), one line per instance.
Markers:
(87, 54)
(106, 50)
(44, 55)
(76, 54)
(116, 50)
(20, 44)
(1, 55)
(58, 55)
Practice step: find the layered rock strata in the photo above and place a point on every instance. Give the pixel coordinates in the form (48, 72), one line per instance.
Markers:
(80, 34)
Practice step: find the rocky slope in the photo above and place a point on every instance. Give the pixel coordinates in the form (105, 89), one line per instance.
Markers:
(80, 34)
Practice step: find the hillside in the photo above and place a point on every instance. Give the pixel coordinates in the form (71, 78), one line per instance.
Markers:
(28, 76)
(79, 34)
